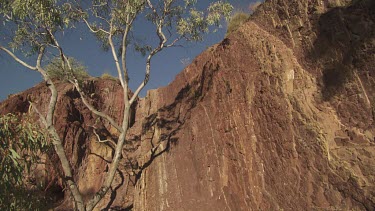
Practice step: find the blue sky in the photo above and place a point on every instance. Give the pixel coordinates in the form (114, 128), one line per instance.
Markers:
(83, 46)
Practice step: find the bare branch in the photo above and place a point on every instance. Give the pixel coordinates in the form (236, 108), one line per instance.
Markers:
(48, 122)
(64, 161)
(153, 8)
(92, 109)
(93, 30)
(123, 59)
(159, 25)
(75, 83)
(113, 50)
(40, 57)
(100, 17)
(39, 114)
(100, 5)
(98, 137)
(147, 74)
(51, 86)
(17, 59)
(125, 123)
(163, 40)
(173, 43)
(57, 45)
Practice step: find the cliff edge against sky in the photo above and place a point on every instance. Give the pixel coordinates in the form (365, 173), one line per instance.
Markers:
(279, 115)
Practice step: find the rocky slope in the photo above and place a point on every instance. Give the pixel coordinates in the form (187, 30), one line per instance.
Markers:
(279, 115)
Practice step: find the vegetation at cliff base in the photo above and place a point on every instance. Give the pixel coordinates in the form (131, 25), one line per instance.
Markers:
(22, 142)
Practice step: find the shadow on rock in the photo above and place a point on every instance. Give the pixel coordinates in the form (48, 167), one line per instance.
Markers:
(171, 119)
(344, 45)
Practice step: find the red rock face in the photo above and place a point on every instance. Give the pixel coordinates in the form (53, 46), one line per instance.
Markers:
(280, 115)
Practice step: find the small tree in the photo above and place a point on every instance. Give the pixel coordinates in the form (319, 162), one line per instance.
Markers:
(111, 21)
(34, 24)
(56, 70)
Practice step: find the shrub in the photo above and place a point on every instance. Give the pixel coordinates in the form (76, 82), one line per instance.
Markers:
(21, 144)
(236, 21)
(56, 70)
(108, 76)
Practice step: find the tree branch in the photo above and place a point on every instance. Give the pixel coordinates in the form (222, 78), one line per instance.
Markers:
(76, 85)
(95, 31)
(57, 45)
(51, 86)
(113, 167)
(153, 8)
(40, 57)
(103, 141)
(39, 114)
(173, 43)
(123, 59)
(163, 40)
(100, 17)
(48, 122)
(17, 59)
(124, 49)
(92, 109)
(113, 50)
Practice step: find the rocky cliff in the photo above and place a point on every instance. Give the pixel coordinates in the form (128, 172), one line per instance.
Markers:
(279, 115)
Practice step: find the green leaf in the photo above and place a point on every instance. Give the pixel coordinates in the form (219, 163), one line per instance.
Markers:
(14, 154)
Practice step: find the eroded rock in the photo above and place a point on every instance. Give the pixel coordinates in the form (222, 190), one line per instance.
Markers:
(280, 115)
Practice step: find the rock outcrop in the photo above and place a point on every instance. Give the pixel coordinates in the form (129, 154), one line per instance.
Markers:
(279, 115)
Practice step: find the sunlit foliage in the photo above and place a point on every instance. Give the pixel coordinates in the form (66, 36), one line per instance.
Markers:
(57, 69)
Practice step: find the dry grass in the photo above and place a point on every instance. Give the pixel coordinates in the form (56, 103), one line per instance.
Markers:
(107, 76)
(236, 21)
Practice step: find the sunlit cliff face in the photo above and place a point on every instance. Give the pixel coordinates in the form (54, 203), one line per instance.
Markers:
(279, 115)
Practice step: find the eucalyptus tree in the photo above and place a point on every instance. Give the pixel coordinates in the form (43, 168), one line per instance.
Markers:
(37, 22)
(32, 26)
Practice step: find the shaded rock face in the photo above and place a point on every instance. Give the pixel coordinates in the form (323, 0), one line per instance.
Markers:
(280, 115)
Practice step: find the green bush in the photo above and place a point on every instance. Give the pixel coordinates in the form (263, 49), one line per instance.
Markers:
(236, 21)
(56, 70)
(21, 144)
